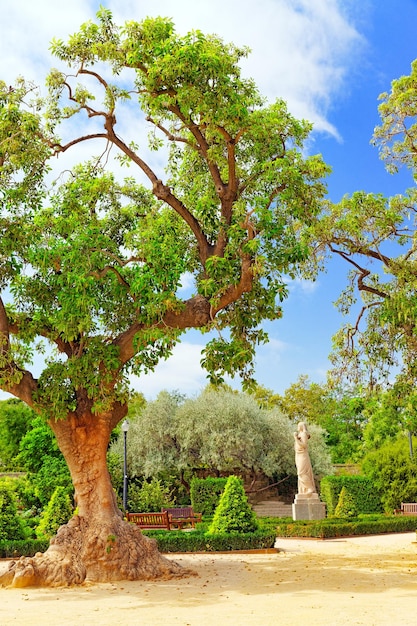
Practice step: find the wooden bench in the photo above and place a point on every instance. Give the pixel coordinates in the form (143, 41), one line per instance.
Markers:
(182, 516)
(149, 520)
(407, 508)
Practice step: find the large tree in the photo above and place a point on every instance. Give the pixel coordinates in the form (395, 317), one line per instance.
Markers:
(92, 268)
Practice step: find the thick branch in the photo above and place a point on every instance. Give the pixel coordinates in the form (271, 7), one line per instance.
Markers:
(195, 314)
(234, 292)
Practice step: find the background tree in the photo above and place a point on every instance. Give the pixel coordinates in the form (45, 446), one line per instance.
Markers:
(338, 410)
(41, 458)
(377, 238)
(95, 266)
(219, 431)
(393, 473)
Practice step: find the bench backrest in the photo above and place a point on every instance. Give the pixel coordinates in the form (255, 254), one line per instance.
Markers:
(185, 511)
(149, 520)
(409, 507)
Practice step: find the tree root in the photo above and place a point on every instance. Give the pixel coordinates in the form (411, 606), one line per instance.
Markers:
(83, 552)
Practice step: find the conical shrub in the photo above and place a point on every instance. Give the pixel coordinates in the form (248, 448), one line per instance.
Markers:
(58, 511)
(346, 507)
(233, 513)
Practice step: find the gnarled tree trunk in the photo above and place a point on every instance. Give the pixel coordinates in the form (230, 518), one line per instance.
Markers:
(96, 545)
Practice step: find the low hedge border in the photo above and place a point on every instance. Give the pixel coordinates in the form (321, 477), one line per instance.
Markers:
(168, 541)
(200, 541)
(10, 549)
(334, 527)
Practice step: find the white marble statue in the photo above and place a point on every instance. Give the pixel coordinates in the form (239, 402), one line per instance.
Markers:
(302, 460)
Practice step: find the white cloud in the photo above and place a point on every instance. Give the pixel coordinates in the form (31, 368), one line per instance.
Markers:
(302, 285)
(301, 50)
(182, 372)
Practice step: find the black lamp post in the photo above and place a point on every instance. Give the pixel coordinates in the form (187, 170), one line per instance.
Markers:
(125, 428)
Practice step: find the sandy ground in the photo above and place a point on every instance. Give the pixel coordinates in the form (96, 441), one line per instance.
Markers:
(366, 580)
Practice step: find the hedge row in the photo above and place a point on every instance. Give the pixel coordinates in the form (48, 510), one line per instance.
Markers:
(205, 493)
(11, 548)
(330, 528)
(361, 489)
(168, 541)
(199, 541)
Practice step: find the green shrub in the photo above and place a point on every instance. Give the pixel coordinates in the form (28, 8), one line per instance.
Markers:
(11, 525)
(149, 497)
(205, 494)
(12, 549)
(233, 513)
(58, 511)
(346, 507)
(365, 497)
(393, 473)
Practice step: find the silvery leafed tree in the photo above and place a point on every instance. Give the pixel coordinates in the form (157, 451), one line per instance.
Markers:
(91, 266)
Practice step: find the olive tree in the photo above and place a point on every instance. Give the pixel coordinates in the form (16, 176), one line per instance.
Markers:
(219, 431)
(91, 267)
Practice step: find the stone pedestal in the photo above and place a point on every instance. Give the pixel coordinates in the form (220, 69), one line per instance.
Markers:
(308, 506)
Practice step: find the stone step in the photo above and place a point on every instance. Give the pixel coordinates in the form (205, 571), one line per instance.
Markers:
(272, 508)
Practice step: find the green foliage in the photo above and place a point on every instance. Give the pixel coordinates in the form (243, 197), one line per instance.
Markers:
(58, 511)
(40, 456)
(15, 420)
(13, 548)
(233, 513)
(346, 506)
(149, 496)
(393, 473)
(361, 488)
(53, 473)
(205, 493)
(225, 431)
(11, 526)
(37, 443)
(24, 492)
(386, 417)
(339, 411)
(200, 541)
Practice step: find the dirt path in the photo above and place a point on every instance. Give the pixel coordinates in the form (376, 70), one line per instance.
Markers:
(370, 581)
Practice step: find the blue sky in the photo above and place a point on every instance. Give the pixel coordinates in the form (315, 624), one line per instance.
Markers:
(329, 59)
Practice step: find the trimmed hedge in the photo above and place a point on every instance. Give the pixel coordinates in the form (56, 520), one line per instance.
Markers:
(11, 549)
(199, 541)
(205, 494)
(362, 490)
(334, 527)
